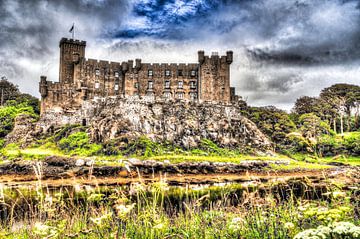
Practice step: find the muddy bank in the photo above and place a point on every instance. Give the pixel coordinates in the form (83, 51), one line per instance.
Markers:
(61, 170)
(58, 167)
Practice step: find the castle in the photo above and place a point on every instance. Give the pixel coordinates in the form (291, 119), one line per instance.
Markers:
(82, 79)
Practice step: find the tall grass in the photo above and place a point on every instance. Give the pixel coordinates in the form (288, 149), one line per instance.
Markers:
(157, 210)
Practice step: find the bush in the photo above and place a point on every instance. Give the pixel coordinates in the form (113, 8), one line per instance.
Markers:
(8, 115)
(79, 144)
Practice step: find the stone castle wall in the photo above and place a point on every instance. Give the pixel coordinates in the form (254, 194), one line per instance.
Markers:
(82, 79)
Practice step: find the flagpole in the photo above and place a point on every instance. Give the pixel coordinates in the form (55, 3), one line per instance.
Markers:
(73, 32)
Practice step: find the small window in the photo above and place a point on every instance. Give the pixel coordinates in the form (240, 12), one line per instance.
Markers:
(180, 95)
(97, 72)
(150, 85)
(193, 96)
(167, 95)
(180, 84)
(180, 73)
(192, 84)
(167, 84)
(150, 73)
(116, 87)
(193, 73)
(167, 73)
(136, 85)
(97, 85)
(116, 74)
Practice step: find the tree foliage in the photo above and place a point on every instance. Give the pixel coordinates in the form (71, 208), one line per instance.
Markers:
(8, 91)
(275, 123)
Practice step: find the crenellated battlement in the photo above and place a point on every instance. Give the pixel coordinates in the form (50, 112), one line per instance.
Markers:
(72, 41)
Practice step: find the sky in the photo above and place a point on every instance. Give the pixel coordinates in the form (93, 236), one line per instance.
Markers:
(283, 49)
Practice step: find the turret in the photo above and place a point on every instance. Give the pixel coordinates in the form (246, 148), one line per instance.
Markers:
(43, 87)
(137, 64)
(124, 67)
(229, 57)
(201, 57)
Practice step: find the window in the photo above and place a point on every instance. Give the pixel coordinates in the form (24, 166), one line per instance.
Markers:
(150, 73)
(193, 96)
(167, 72)
(97, 72)
(116, 87)
(193, 73)
(180, 72)
(167, 95)
(97, 85)
(116, 74)
(167, 84)
(136, 85)
(180, 84)
(150, 85)
(180, 95)
(192, 85)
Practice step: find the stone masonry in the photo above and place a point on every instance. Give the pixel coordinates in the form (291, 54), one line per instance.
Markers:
(82, 79)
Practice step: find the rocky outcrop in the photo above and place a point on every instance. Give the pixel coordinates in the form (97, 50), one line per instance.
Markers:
(182, 123)
(25, 130)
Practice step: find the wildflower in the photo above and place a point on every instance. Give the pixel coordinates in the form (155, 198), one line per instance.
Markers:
(159, 226)
(100, 221)
(95, 197)
(123, 210)
(289, 225)
(44, 230)
(338, 194)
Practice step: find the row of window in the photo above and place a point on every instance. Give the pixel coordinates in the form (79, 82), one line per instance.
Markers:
(179, 73)
(180, 95)
(167, 84)
(151, 73)
(97, 73)
(151, 85)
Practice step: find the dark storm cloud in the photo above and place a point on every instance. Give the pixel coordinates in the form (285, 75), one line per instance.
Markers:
(283, 48)
(30, 31)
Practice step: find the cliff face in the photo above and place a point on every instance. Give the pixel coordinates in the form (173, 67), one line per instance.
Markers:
(182, 123)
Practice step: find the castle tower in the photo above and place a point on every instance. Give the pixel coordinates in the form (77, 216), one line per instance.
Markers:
(71, 52)
(214, 77)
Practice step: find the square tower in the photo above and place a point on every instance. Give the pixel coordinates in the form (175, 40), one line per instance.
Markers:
(71, 52)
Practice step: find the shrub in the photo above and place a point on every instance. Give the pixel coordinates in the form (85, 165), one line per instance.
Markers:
(79, 144)
(8, 115)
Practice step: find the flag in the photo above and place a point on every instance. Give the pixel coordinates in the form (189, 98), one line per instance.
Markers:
(72, 28)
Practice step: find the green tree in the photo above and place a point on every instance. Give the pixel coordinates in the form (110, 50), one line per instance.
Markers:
(8, 91)
(275, 123)
(339, 100)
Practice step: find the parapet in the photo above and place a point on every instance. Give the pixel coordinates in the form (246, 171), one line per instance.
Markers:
(72, 41)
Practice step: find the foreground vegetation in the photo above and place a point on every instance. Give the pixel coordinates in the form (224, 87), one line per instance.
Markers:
(160, 211)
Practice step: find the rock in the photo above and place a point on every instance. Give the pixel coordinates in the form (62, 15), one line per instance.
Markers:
(80, 162)
(90, 163)
(24, 131)
(134, 161)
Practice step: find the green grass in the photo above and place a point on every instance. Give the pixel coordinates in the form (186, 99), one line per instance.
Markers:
(153, 211)
(215, 158)
(302, 161)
